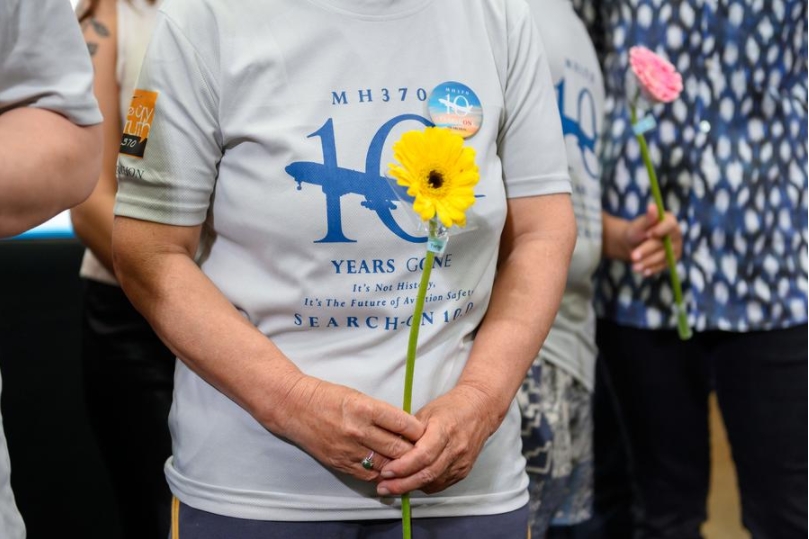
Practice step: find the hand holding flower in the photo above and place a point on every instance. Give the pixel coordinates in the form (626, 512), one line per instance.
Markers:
(644, 237)
(458, 423)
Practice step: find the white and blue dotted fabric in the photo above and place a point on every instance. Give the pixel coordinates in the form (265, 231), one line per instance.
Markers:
(730, 154)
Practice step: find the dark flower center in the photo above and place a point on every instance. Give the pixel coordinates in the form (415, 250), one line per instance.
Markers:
(435, 179)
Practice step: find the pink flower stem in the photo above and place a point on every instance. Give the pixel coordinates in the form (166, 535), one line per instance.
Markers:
(683, 329)
(410, 365)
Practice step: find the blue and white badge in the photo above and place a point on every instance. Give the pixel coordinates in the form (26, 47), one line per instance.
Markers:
(455, 106)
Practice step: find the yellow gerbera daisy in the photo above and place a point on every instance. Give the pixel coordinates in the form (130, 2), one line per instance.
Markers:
(439, 172)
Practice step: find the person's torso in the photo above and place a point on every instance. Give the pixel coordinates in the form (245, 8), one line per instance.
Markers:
(730, 155)
(307, 240)
(580, 95)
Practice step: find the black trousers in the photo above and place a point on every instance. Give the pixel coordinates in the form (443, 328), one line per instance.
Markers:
(128, 382)
(652, 440)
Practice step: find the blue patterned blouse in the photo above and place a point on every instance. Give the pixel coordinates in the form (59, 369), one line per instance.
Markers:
(731, 157)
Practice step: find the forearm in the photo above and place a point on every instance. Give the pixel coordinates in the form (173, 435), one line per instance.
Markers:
(526, 296)
(335, 424)
(92, 223)
(613, 237)
(201, 326)
(49, 165)
(92, 220)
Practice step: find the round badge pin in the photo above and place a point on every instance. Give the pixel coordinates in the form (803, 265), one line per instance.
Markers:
(455, 106)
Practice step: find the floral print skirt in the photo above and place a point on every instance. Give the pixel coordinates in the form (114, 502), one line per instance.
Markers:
(557, 433)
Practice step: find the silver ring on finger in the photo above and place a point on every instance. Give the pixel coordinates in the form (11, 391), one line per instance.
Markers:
(368, 461)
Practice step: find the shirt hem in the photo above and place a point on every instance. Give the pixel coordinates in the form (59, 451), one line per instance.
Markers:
(288, 507)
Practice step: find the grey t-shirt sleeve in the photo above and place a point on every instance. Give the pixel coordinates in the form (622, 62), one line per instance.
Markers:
(44, 61)
(171, 146)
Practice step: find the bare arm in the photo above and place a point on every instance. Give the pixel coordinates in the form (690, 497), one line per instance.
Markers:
(92, 220)
(335, 424)
(49, 165)
(537, 244)
(640, 240)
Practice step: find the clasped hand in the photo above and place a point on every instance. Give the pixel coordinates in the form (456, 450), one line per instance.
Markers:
(428, 451)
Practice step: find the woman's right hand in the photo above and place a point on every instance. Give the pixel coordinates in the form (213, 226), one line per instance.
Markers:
(644, 237)
(340, 426)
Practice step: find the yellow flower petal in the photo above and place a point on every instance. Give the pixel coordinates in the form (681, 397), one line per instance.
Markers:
(439, 172)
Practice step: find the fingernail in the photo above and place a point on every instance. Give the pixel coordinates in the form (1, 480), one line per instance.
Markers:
(387, 474)
(382, 491)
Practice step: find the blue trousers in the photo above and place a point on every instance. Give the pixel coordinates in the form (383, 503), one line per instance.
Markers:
(652, 441)
(197, 524)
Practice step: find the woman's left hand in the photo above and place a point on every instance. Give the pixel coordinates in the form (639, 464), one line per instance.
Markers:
(457, 425)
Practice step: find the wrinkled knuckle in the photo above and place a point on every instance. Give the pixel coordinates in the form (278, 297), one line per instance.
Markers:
(462, 448)
(423, 460)
(397, 447)
(360, 406)
(401, 422)
(336, 461)
(370, 476)
(462, 472)
(428, 476)
(369, 406)
(353, 431)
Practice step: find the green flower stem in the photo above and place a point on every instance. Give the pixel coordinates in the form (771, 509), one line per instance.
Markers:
(683, 328)
(406, 530)
(410, 367)
(414, 331)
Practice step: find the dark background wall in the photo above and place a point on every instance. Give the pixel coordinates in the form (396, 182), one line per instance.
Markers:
(57, 475)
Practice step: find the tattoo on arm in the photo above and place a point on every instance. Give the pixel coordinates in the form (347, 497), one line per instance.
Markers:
(99, 29)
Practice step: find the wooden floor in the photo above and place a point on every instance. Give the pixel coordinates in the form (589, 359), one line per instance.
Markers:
(724, 517)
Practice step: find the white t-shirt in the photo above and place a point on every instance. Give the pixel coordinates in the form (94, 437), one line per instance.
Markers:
(43, 63)
(134, 19)
(580, 96)
(272, 123)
